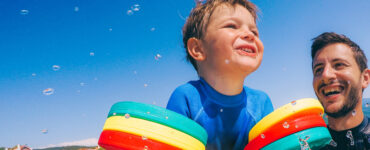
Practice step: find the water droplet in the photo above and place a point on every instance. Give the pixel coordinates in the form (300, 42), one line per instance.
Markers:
(135, 7)
(145, 147)
(286, 125)
(333, 143)
(145, 85)
(321, 114)
(293, 103)
(129, 12)
(76, 9)
(24, 12)
(296, 126)
(227, 61)
(48, 91)
(353, 112)
(166, 117)
(127, 116)
(114, 114)
(56, 67)
(152, 29)
(221, 110)
(147, 112)
(34, 74)
(262, 136)
(92, 54)
(367, 105)
(157, 57)
(45, 131)
(144, 137)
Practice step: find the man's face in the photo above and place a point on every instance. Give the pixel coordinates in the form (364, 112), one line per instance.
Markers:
(337, 79)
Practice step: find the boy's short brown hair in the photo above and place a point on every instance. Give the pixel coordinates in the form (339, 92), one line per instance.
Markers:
(197, 22)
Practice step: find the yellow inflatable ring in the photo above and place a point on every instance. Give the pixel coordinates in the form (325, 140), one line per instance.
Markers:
(153, 131)
(287, 112)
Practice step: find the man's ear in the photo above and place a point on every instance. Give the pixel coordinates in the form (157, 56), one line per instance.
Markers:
(366, 78)
(195, 49)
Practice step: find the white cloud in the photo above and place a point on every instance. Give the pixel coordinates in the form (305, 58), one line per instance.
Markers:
(85, 142)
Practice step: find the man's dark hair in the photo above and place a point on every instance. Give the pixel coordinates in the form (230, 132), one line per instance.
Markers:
(328, 38)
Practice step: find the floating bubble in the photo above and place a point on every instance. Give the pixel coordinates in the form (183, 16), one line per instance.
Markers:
(127, 116)
(48, 91)
(135, 72)
(92, 54)
(145, 85)
(293, 103)
(129, 12)
(78, 91)
(221, 110)
(110, 29)
(95, 78)
(114, 114)
(135, 7)
(152, 29)
(166, 117)
(24, 12)
(45, 131)
(144, 137)
(286, 125)
(227, 61)
(296, 126)
(148, 112)
(34, 74)
(367, 105)
(82, 84)
(154, 102)
(76, 9)
(56, 67)
(353, 112)
(157, 57)
(262, 136)
(321, 114)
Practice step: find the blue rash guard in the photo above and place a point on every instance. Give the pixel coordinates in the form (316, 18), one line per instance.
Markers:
(227, 119)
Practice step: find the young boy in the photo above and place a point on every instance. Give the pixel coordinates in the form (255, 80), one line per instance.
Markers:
(222, 43)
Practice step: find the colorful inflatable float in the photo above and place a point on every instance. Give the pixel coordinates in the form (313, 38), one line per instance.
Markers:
(138, 126)
(297, 125)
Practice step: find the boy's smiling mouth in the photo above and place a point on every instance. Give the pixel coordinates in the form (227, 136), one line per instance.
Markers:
(247, 50)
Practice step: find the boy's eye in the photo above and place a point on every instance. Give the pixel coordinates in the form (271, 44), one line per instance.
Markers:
(233, 26)
(255, 33)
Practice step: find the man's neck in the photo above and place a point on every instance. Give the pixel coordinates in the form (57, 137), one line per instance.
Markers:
(350, 120)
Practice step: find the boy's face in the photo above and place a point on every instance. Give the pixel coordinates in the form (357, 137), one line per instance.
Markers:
(231, 42)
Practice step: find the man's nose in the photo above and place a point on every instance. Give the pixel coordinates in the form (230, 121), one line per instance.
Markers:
(328, 73)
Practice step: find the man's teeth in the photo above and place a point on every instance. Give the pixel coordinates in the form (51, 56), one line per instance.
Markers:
(331, 91)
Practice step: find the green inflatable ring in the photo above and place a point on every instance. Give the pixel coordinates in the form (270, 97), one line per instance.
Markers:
(316, 138)
(160, 115)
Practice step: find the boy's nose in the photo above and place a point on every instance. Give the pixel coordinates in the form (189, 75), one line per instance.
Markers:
(248, 36)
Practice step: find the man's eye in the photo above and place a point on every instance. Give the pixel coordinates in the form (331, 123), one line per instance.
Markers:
(339, 65)
(317, 71)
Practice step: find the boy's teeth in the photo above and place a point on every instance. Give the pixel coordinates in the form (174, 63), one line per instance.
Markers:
(247, 50)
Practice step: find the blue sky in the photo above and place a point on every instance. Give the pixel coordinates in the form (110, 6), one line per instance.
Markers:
(107, 54)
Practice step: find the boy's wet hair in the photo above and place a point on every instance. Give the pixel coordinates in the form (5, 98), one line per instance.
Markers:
(197, 22)
(328, 38)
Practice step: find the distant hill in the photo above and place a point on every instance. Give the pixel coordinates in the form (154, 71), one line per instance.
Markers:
(366, 102)
(68, 148)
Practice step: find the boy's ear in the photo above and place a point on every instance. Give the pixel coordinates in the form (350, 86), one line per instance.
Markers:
(195, 49)
(366, 78)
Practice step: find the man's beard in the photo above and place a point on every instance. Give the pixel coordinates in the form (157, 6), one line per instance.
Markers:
(350, 103)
